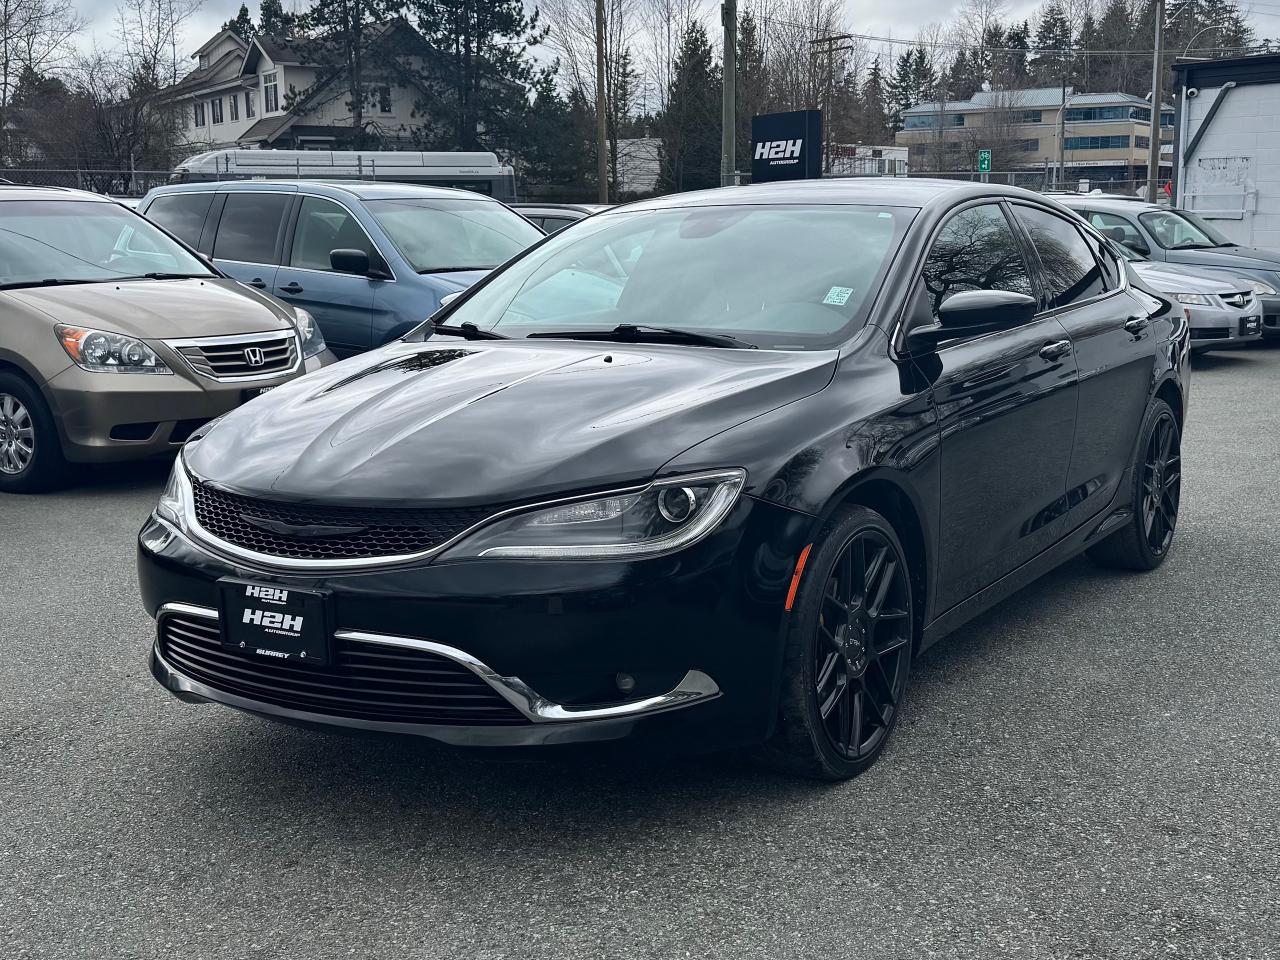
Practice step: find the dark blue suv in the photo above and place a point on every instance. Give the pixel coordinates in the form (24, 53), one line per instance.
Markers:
(369, 260)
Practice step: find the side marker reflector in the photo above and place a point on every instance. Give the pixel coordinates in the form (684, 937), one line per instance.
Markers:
(795, 577)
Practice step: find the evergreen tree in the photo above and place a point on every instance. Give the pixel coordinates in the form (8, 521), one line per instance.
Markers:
(964, 77)
(1088, 40)
(241, 24)
(338, 35)
(1009, 68)
(274, 21)
(689, 126)
(874, 109)
(753, 84)
(1052, 62)
(556, 150)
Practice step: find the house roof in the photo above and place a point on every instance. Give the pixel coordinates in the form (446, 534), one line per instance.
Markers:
(1034, 98)
(213, 41)
(267, 129)
(203, 78)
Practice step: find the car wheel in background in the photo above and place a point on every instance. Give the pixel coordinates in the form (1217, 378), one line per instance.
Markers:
(848, 650)
(30, 453)
(1144, 541)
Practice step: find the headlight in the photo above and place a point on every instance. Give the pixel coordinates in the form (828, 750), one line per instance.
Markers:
(1196, 298)
(309, 331)
(666, 516)
(1262, 288)
(103, 352)
(176, 496)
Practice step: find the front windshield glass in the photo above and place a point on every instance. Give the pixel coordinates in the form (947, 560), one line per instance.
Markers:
(1176, 230)
(85, 241)
(782, 276)
(437, 236)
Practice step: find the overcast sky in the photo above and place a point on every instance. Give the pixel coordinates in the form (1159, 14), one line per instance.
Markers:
(899, 19)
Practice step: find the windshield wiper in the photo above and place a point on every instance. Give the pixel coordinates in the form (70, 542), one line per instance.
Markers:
(468, 331)
(452, 269)
(51, 282)
(160, 275)
(646, 333)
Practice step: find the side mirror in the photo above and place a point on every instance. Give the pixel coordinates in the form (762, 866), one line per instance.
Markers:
(1136, 244)
(972, 313)
(349, 261)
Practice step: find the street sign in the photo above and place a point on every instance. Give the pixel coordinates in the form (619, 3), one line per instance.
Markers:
(984, 161)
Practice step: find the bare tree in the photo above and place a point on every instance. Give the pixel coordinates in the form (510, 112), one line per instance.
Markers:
(35, 36)
(149, 33)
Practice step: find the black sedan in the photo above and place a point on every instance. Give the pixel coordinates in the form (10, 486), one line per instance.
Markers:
(705, 470)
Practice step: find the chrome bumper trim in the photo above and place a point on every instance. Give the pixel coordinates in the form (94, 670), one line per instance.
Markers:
(693, 688)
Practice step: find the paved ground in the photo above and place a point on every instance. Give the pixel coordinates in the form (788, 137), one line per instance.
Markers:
(1090, 770)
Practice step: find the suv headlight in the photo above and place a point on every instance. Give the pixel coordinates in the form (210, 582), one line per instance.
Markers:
(103, 352)
(309, 331)
(665, 516)
(1261, 288)
(1195, 298)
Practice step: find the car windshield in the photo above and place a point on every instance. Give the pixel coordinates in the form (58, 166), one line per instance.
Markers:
(437, 236)
(83, 241)
(780, 276)
(1178, 230)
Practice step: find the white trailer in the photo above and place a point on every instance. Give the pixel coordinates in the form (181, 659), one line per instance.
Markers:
(1227, 146)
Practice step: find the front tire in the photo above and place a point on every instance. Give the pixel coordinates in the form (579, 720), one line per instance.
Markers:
(1155, 495)
(31, 459)
(848, 650)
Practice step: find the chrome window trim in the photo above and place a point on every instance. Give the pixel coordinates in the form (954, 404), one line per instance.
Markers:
(235, 338)
(693, 687)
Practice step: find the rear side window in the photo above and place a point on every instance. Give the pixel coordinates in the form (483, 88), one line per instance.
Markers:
(975, 250)
(1106, 260)
(182, 214)
(248, 228)
(1071, 273)
(552, 224)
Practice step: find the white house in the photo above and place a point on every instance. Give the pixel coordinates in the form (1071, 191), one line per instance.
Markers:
(238, 92)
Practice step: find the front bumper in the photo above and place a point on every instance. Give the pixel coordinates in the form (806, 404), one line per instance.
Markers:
(107, 417)
(1270, 316)
(700, 632)
(1216, 328)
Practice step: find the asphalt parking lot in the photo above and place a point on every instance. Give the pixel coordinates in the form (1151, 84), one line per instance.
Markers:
(1089, 770)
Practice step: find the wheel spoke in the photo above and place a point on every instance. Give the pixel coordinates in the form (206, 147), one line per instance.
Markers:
(853, 733)
(887, 571)
(893, 646)
(888, 687)
(828, 669)
(835, 697)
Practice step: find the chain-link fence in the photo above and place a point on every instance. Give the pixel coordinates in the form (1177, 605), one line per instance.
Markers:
(117, 183)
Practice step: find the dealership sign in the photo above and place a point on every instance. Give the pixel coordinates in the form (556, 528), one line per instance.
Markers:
(786, 146)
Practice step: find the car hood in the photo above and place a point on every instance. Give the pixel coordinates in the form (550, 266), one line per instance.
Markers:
(1221, 258)
(160, 309)
(1179, 278)
(493, 421)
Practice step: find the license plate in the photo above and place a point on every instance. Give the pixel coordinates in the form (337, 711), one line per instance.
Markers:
(272, 622)
(1250, 325)
(247, 395)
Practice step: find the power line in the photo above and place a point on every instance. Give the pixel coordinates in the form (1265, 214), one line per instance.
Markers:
(1029, 51)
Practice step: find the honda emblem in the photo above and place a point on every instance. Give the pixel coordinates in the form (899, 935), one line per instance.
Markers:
(254, 357)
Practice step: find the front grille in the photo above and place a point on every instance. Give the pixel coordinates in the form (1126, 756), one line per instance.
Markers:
(227, 358)
(1239, 299)
(355, 534)
(365, 682)
(1271, 320)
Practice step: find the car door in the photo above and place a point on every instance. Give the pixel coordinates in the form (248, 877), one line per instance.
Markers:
(247, 242)
(342, 303)
(1112, 339)
(1006, 407)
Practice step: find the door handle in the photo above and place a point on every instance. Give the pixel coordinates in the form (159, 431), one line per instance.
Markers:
(292, 287)
(1055, 350)
(1136, 325)
(258, 282)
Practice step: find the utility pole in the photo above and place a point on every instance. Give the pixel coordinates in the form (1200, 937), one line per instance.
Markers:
(602, 101)
(1062, 138)
(1157, 77)
(729, 95)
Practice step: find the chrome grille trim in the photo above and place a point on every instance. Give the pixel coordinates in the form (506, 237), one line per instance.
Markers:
(223, 358)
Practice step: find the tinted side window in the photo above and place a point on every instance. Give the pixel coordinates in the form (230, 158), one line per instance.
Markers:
(552, 224)
(250, 222)
(976, 250)
(324, 226)
(1106, 260)
(1070, 271)
(182, 214)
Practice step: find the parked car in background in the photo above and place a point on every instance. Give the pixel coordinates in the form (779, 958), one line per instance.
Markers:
(369, 261)
(116, 342)
(1180, 238)
(726, 498)
(556, 216)
(1223, 311)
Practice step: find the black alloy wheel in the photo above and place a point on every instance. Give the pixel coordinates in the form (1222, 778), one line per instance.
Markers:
(1156, 495)
(848, 651)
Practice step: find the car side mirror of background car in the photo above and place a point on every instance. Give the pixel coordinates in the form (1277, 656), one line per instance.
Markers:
(972, 313)
(349, 261)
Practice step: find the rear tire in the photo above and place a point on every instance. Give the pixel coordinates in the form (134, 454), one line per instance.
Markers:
(848, 650)
(31, 459)
(1155, 494)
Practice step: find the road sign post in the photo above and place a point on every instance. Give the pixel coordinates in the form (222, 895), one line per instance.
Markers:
(984, 163)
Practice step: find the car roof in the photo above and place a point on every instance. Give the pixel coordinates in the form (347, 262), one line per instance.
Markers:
(23, 191)
(1108, 203)
(360, 189)
(872, 191)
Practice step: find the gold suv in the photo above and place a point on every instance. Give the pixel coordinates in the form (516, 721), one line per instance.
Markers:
(117, 341)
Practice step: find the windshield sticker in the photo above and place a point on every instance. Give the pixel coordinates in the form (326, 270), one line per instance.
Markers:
(838, 296)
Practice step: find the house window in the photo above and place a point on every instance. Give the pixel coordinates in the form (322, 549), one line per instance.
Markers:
(199, 113)
(384, 99)
(1027, 116)
(248, 104)
(215, 110)
(1142, 143)
(270, 93)
(233, 108)
(1097, 143)
(204, 61)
